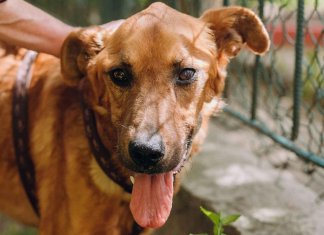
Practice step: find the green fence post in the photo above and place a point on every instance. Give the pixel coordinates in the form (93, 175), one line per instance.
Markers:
(226, 88)
(299, 50)
(255, 88)
(256, 74)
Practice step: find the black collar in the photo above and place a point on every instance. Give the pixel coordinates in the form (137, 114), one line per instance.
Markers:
(100, 152)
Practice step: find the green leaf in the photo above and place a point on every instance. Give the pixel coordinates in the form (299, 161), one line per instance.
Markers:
(216, 230)
(229, 219)
(215, 218)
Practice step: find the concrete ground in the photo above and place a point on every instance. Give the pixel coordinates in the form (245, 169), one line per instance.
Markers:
(240, 171)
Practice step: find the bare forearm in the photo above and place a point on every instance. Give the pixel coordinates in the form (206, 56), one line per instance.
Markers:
(24, 25)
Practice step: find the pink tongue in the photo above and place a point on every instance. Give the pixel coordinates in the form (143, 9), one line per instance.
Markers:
(152, 199)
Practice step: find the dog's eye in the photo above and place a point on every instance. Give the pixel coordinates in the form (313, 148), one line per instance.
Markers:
(186, 76)
(120, 77)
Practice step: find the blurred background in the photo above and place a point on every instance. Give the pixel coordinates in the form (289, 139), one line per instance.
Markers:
(280, 94)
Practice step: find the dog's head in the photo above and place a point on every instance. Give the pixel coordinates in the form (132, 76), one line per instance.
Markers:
(149, 80)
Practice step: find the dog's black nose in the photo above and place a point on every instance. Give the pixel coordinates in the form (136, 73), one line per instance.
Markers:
(146, 152)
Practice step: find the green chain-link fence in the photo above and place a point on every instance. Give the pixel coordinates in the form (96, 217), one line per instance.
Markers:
(282, 93)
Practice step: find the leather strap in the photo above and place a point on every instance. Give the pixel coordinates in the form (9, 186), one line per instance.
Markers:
(20, 129)
(103, 156)
(100, 152)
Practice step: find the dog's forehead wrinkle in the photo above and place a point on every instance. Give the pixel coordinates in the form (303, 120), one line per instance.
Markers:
(160, 58)
(160, 40)
(162, 47)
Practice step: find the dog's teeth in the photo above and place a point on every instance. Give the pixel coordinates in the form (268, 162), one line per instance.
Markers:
(132, 179)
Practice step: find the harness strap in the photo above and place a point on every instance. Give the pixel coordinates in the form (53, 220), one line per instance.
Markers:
(100, 152)
(103, 157)
(21, 143)
(20, 128)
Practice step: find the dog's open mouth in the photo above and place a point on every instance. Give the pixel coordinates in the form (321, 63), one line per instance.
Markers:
(151, 200)
(152, 194)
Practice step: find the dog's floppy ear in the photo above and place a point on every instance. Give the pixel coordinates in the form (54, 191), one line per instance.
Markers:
(235, 26)
(77, 50)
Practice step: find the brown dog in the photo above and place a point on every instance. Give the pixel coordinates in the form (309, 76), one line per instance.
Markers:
(150, 84)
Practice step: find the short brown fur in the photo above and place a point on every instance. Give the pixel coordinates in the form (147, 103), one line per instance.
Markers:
(75, 196)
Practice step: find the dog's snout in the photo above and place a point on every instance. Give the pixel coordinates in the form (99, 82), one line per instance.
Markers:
(146, 152)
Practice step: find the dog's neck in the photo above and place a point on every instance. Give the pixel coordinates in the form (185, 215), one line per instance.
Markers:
(102, 155)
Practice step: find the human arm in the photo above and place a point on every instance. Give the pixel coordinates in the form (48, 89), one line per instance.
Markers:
(26, 26)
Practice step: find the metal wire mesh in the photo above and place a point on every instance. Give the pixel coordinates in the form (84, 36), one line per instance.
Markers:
(282, 93)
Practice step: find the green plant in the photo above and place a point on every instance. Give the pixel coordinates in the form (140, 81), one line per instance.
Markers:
(218, 220)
